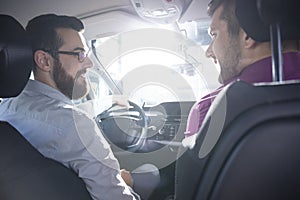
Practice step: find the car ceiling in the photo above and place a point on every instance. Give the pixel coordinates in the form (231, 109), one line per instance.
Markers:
(23, 10)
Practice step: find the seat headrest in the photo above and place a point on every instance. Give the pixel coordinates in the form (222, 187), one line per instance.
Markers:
(16, 57)
(255, 17)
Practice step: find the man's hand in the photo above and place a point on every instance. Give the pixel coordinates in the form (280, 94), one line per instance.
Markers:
(121, 100)
(127, 177)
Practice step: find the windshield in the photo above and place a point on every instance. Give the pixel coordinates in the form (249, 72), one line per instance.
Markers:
(154, 65)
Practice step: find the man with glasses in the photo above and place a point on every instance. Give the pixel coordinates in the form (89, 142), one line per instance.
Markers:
(45, 115)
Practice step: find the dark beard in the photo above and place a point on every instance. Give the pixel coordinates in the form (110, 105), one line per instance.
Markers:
(67, 84)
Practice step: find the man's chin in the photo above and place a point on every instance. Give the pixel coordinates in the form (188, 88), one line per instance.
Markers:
(225, 76)
(220, 79)
(80, 90)
(79, 95)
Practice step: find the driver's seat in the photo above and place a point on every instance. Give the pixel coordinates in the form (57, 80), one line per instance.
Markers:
(24, 172)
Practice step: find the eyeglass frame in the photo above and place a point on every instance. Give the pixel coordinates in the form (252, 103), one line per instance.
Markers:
(73, 53)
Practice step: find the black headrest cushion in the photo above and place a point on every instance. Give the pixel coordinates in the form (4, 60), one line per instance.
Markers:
(15, 57)
(255, 17)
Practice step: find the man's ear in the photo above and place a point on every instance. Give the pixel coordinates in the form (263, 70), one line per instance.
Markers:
(42, 60)
(247, 40)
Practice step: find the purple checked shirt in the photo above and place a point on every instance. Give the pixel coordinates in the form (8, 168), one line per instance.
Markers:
(260, 71)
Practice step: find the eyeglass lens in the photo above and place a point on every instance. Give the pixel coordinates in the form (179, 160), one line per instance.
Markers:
(82, 55)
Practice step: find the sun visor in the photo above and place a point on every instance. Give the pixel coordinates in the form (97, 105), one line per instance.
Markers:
(111, 23)
(195, 11)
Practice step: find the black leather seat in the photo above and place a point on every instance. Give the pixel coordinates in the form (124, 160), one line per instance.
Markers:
(25, 174)
(249, 145)
(248, 149)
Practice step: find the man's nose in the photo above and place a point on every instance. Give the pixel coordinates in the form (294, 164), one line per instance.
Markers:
(88, 62)
(210, 53)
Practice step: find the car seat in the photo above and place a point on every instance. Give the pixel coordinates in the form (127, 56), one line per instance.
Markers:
(24, 172)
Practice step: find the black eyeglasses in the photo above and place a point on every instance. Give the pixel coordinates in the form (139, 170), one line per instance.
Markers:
(80, 54)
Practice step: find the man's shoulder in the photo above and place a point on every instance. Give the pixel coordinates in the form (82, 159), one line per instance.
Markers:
(42, 108)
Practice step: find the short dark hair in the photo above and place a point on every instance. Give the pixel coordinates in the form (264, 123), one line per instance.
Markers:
(42, 30)
(228, 14)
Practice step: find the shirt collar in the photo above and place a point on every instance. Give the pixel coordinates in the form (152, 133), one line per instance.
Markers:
(261, 71)
(44, 89)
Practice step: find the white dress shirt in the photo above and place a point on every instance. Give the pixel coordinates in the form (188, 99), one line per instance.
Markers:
(59, 130)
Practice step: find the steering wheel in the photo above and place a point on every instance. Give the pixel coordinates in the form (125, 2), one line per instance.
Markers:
(124, 128)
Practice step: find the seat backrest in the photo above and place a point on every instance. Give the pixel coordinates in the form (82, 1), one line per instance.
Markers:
(248, 148)
(15, 57)
(28, 175)
(258, 155)
(24, 172)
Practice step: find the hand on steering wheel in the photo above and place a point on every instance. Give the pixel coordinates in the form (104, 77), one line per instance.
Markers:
(116, 124)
